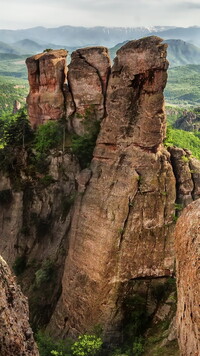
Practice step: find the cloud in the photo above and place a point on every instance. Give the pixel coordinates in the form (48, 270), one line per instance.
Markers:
(128, 13)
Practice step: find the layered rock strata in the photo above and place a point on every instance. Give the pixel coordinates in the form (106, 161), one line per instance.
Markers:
(115, 217)
(16, 337)
(46, 75)
(77, 94)
(87, 79)
(187, 242)
(121, 227)
(35, 214)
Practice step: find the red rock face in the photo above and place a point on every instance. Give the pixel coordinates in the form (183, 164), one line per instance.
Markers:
(82, 99)
(121, 228)
(187, 242)
(87, 78)
(16, 336)
(46, 75)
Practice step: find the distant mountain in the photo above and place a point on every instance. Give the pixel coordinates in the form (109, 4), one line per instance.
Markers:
(179, 53)
(27, 46)
(5, 48)
(79, 36)
(189, 34)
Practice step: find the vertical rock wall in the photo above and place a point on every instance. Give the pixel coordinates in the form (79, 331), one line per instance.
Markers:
(46, 75)
(187, 242)
(121, 225)
(16, 337)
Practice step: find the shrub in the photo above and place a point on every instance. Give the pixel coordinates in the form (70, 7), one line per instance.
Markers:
(45, 273)
(83, 146)
(48, 347)
(87, 345)
(48, 136)
(138, 347)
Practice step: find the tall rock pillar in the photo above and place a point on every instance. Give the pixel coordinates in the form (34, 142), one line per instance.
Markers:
(122, 223)
(46, 75)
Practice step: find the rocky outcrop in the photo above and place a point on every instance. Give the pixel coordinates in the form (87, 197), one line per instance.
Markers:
(16, 337)
(121, 225)
(87, 79)
(187, 241)
(46, 75)
(35, 214)
(111, 224)
(189, 121)
(187, 172)
(78, 96)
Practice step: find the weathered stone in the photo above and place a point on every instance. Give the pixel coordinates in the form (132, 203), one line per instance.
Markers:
(180, 161)
(16, 336)
(33, 227)
(121, 225)
(187, 242)
(46, 75)
(87, 80)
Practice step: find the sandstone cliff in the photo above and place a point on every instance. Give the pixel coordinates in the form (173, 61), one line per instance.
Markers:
(108, 227)
(16, 337)
(46, 75)
(187, 242)
(121, 227)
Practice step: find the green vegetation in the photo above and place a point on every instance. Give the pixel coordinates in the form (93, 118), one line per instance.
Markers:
(11, 89)
(83, 146)
(85, 345)
(48, 136)
(183, 86)
(13, 81)
(183, 139)
(45, 273)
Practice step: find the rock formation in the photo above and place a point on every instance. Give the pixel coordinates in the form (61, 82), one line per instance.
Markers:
(34, 220)
(46, 75)
(121, 225)
(16, 337)
(82, 100)
(87, 80)
(187, 242)
(109, 225)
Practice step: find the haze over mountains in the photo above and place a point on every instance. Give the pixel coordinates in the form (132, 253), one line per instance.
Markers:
(107, 36)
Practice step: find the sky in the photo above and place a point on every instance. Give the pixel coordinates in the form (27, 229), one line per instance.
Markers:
(18, 14)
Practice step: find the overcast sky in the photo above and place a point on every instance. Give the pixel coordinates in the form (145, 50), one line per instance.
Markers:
(16, 14)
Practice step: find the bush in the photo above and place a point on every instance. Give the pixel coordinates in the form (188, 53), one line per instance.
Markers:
(48, 136)
(47, 345)
(45, 273)
(83, 146)
(87, 345)
(138, 347)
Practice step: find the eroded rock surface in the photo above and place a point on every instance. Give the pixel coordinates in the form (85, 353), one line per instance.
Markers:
(121, 225)
(117, 216)
(87, 77)
(187, 242)
(16, 337)
(35, 216)
(79, 95)
(46, 75)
